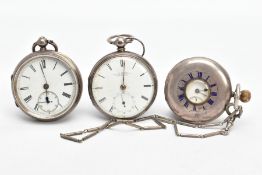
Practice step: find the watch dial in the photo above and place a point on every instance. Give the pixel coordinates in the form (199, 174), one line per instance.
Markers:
(46, 87)
(197, 91)
(123, 87)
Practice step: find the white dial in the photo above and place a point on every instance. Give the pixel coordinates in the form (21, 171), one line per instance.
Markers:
(46, 86)
(197, 91)
(123, 86)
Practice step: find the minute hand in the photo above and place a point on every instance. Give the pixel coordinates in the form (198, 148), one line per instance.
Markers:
(46, 86)
(43, 73)
(124, 68)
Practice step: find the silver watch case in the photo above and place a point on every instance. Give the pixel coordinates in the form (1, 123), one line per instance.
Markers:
(121, 54)
(59, 56)
(213, 69)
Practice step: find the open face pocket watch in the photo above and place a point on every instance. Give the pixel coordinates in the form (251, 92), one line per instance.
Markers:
(122, 85)
(46, 84)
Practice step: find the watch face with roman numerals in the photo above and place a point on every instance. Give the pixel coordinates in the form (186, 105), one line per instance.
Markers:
(122, 85)
(46, 85)
(198, 89)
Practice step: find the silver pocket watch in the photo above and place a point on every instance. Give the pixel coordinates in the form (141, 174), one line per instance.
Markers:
(123, 86)
(198, 90)
(46, 84)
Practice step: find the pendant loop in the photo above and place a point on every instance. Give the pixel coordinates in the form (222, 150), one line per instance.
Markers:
(42, 42)
(122, 40)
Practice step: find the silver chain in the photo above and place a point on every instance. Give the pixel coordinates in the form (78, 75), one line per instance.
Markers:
(228, 123)
(225, 125)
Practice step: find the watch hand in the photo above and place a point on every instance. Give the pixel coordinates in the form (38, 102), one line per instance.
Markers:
(205, 90)
(124, 67)
(46, 86)
(47, 100)
(195, 98)
(123, 102)
(203, 94)
(123, 86)
(43, 73)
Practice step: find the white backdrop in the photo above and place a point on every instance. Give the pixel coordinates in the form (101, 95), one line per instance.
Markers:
(229, 32)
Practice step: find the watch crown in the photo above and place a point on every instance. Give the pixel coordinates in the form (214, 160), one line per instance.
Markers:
(120, 42)
(42, 41)
(245, 96)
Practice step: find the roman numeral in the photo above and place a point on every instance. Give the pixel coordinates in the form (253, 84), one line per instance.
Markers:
(145, 98)
(43, 63)
(122, 63)
(207, 78)
(210, 101)
(98, 88)
(100, 76)
(24, 88)
(148, 85)
(181, 88)
(186, 104)
(64, 73)
(199, 74)
(66, 95)
(102, 100)
(213, 85)
(36, 107)
(111, 109)
(190, 76)
(194, 108)
(109, 66)
(136, 107)
(213, 93)
(142, 74)
(27, 99)
(68, 84)
(181, 97)
(26, 77)
(55, 66)
(134, 65)
(32, 67)
(183, 81)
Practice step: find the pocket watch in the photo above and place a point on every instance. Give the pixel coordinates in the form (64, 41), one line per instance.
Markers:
(198, 90)
(46, 84)
(123, 86)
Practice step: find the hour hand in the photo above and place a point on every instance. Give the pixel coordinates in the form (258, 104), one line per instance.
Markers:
(47, 100)
(43, 72)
